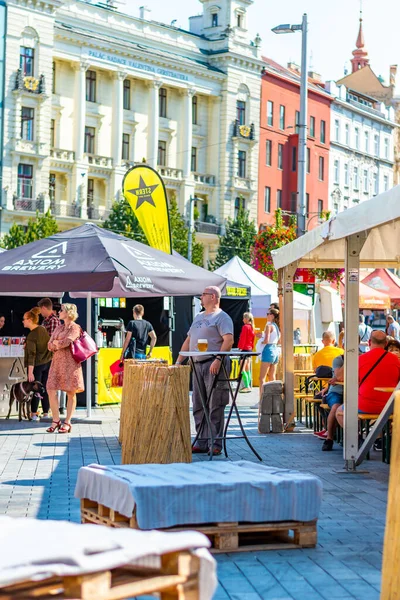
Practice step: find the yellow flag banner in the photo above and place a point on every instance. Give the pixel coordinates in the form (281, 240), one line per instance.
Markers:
(145, 191)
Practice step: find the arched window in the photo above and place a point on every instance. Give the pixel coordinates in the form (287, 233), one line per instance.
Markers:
(27, 58)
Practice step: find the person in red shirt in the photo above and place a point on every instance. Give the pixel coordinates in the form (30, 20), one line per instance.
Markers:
(246, 344)
(385, 373)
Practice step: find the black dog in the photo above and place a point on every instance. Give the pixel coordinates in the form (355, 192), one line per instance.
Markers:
(23, 393)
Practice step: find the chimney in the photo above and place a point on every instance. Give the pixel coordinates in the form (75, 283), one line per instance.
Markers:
(315, 76)
(393, 73)
(145, 13)
(294, 67)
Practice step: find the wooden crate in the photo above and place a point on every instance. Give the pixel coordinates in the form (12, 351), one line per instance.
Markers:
(155, 418)
(177, 579)
(224, 537)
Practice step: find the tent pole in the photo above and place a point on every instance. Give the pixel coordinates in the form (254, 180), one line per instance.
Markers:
(89, 362)
(354, 246)
(288, 359)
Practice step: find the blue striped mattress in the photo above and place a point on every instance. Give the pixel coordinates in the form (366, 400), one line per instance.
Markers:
(202, 492)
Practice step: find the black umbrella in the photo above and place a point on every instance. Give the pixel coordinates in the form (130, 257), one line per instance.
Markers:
(92, 259)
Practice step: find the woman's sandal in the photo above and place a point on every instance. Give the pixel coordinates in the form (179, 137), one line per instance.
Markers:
(65, 428)
(54, 426)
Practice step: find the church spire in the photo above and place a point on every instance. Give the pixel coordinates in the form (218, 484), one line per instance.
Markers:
(360, 55)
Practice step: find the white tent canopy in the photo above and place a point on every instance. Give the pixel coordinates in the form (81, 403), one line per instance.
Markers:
(366, 235)
(263, 290)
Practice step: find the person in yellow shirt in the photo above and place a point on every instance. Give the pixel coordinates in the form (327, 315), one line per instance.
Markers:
(328, 353)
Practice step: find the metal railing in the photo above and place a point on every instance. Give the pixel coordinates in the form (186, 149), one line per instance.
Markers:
(28, 204)
(203, 227)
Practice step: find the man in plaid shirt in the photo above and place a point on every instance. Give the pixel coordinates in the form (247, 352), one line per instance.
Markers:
(50, 320)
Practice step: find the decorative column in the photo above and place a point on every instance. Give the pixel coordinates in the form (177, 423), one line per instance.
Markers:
(118, 117)
(188, 132)
(153, 129)
(80, 110)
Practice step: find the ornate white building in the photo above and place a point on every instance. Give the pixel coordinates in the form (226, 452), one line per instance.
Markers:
(91, 91)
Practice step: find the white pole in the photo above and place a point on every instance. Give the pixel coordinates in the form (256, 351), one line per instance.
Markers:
(89, 361)
(191, 227)
(287, 341)
(302, 145)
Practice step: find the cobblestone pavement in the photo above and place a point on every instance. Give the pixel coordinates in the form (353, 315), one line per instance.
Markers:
(38, 473)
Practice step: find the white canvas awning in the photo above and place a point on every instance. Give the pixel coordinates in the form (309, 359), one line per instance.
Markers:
(324, 247)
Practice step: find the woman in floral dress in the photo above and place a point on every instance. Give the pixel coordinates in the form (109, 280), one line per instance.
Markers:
(65, 373)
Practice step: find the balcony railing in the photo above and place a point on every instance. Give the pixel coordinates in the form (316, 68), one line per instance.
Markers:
(29, 204)
(203, 227)
(64, 155)
(59, 209)
(170, 173)
(34, 85)
(243, 131)
(97, 213)
(206, 179)
(100, 161)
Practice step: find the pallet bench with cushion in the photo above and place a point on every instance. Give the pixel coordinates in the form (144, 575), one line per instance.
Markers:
(57, 559)
(238, 506)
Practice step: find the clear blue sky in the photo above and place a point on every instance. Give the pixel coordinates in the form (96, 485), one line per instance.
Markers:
(333, 28)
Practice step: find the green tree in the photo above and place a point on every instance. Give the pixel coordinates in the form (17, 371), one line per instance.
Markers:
(41, 227)
(179, 233)
(237, 241)
(123, 220)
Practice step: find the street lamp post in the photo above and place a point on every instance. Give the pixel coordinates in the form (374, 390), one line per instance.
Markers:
(302, 146)
(192, 200)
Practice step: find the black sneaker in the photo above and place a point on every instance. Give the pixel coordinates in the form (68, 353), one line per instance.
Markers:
(327, 446)
(378, 445)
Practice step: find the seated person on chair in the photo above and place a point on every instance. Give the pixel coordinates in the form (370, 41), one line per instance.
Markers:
(328, 353)
(376, 368)
(333, 396)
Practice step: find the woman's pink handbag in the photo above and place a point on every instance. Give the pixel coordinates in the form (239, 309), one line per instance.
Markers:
(83, 348)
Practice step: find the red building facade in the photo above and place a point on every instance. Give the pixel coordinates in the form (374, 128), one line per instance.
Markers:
(280, 112)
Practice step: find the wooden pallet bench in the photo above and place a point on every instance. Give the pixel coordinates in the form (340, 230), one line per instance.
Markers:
(176, 579)
(224, 537)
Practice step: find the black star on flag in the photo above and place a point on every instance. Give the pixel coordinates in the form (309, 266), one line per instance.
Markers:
(144, 193)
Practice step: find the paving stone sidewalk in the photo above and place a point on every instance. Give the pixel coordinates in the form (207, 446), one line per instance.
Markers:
(38, 473)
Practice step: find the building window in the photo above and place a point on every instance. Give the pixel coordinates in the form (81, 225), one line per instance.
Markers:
(347, 134)
(322, 133)
(312, 127)
(214, 20)
(52, 133)
(127, 94)
(162, 96)
(239, 20)
(52, 187)
(162, 153)
(321, 168)
(240, 203)
(268, 153)
(308, 160)
(356, 183)
(336, 208)
(307, 205)
(193, 160)
(26, 61)
(53, 81)
(337, 130)
(280, 156)
(294, 158)
(90, 135)
(293, 202)
(386, 148)
(357, 138)
(90, 192)
(366, 140)
(320, 208)
(297, 121)
(281, 117)
(25, 181)
(376, 145)
(267, 200)
(91, 86)
(194, 110)
(278, 198)
(385, 183)
(336, 171)
(241, 112)
(27, 119)
(376, 184)
(346, 175)
(242, 164)
(365, 178)
(270, 113)
(125, 146)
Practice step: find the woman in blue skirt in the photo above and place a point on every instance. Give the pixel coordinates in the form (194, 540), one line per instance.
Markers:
(270, 353)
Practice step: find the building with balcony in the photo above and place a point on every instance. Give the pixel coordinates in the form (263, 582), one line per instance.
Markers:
(278, 168)
(363, 133)
(91, 91)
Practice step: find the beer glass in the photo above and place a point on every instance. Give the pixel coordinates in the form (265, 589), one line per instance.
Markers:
(202, 345)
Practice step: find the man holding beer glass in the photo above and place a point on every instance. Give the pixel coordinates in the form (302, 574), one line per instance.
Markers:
(211, 330)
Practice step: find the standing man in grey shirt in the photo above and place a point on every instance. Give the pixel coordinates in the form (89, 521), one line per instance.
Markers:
(214, 325)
